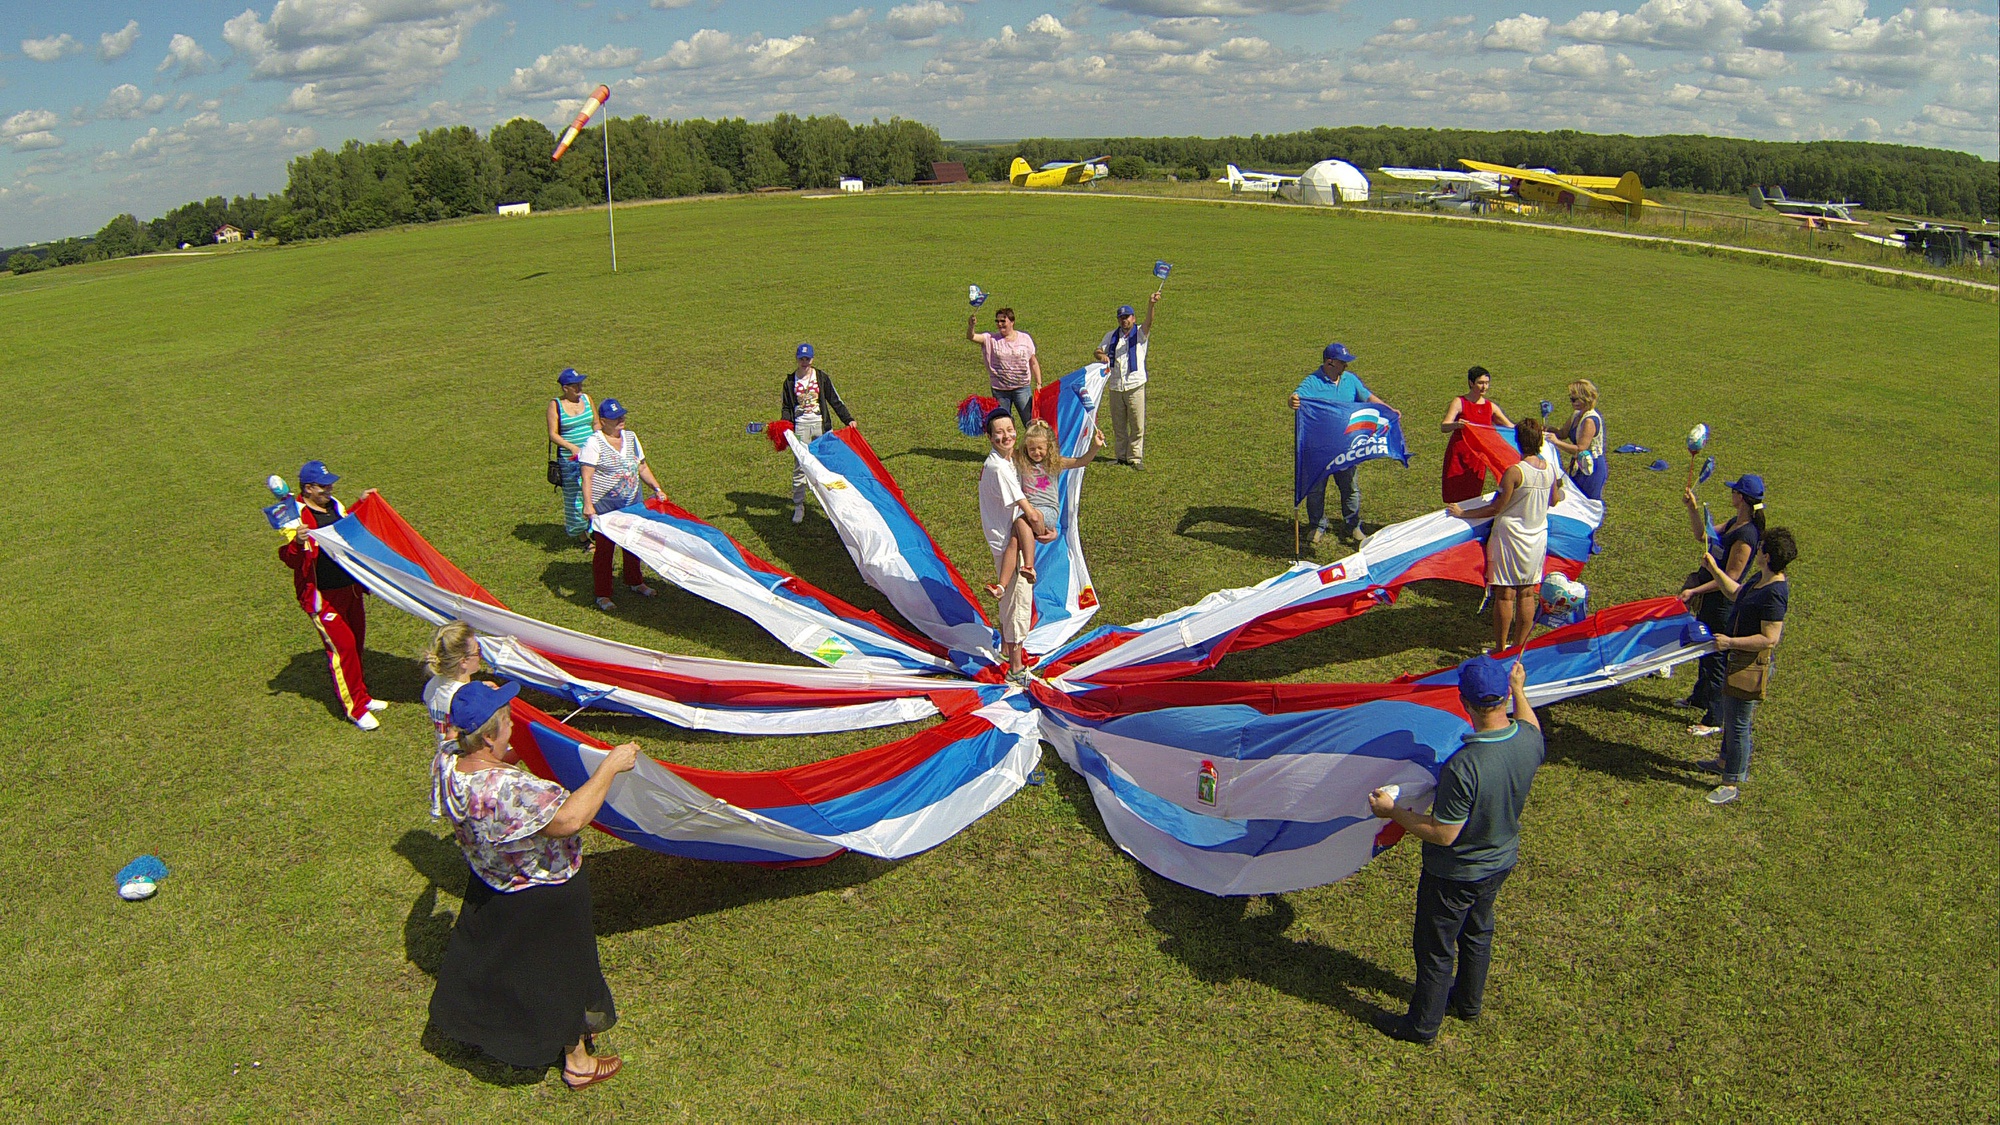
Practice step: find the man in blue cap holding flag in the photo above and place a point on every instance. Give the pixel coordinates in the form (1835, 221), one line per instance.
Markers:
(1331, 381)
(1471, 838)
(1123, 354)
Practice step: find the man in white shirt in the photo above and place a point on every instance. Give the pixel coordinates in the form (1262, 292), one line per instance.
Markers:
(1000, 502)
(1123, 352)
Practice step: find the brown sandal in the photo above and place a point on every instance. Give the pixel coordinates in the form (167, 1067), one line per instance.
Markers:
(605, 1067)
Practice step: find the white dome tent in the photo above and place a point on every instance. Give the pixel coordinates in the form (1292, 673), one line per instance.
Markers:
(1329, 183)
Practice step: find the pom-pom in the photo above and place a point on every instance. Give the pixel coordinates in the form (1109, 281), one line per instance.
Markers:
(972, 414)
(776, 431)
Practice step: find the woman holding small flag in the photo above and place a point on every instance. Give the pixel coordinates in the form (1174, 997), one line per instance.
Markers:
(1733, 546)
(1583, 438)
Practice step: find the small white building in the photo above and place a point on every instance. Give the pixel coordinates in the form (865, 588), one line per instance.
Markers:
(851, 183)
(227, 233)
(514, 209)
(1329, 183)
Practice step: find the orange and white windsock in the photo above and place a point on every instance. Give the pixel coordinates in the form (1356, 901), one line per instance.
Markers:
(597, 98)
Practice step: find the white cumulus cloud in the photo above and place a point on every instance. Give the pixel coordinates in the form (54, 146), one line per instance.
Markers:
(127, 102)
(564, 70)
(921, 21)
(1523, 33)
(705, 48)
(185, 58)
(349, 55)
(114, 44)
(50, 49)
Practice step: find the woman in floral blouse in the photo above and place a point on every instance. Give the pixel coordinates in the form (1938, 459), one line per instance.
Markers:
(520, 978)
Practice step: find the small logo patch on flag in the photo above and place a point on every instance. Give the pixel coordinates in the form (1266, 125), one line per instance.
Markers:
(1328, 575)
(832, 649)
(1086, 598)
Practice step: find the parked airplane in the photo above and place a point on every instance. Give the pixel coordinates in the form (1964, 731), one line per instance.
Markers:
(1261, 183)
(1452, 191)
(1059, 173)
(1811, 212)
(1605, 193)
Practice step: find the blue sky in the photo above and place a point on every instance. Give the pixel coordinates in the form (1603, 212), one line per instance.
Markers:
(109, 107)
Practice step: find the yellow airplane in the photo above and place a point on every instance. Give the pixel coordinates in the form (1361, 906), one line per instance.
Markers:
(1608, 193)
(1058, 174)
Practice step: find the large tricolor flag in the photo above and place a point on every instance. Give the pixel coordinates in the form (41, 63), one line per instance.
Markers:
(386, 554)
(1235, 788)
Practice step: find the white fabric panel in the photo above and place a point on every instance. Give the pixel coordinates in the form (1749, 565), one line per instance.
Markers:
(927, 828)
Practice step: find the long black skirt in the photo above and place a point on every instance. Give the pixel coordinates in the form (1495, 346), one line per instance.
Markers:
(520, 978)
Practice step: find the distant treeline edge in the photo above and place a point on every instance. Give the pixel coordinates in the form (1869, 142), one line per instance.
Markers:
(452, 172)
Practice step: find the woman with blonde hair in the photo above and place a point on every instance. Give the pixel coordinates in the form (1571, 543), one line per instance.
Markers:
(1518, 542)
(452, 658)
(1583, 437)
(1039, 467)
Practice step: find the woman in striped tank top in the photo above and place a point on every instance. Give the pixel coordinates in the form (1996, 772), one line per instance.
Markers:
(571, 422)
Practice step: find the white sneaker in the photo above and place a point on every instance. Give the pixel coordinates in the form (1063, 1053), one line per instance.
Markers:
(798, 513)
(377, 705)
(367, 721)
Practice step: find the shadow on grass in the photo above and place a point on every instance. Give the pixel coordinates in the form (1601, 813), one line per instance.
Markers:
(634, 889)
(390, 678)
(478, 1063)
(1250, 530)
(549, 537)
(967, 456)
(1241, 937)
(1571, 744)
(674, 612)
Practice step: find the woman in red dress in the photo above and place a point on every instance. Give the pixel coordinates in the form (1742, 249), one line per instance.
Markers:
(1464, 471)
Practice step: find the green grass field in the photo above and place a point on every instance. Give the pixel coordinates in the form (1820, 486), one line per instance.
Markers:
(1822, 950)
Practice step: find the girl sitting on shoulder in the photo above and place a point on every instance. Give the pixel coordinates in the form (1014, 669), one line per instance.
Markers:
(1040, 470)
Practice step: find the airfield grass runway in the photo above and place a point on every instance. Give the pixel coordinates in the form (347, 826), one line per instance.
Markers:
(1823, 949)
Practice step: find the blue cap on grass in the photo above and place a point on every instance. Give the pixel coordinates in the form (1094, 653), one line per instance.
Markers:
(473, 704)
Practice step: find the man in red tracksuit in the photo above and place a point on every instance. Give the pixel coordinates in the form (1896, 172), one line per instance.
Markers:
(330, 595)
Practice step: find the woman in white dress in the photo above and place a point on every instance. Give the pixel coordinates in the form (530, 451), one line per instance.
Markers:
(1518, 542)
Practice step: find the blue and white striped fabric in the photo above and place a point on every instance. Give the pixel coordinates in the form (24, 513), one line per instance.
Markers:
(1065, 600)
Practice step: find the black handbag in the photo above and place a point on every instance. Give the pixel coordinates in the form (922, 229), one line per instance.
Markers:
(555, 467)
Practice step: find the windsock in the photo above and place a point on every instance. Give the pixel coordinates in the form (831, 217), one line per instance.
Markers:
(597, 98)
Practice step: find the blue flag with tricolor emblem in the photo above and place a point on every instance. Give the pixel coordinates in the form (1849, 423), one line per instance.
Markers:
(1332, 436)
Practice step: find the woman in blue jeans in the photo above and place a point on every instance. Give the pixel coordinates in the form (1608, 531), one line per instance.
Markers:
(1756, 625)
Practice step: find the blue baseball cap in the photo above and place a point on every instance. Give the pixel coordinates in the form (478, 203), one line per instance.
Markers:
(570, 377)
(1482, 682)
(805, 351)
(474, 703)
(315, 472)
(1696, 633)
(1126, 310)
(1750, 485)
(611, 409)
(1339, 352)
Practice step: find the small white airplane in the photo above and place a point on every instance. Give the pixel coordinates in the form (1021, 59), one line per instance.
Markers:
(1450, 191)
(1811, 212)
(1259, 183)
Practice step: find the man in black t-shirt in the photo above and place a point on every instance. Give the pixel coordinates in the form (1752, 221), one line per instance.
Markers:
(1471, 839)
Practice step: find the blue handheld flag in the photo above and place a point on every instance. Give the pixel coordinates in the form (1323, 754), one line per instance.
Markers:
(976, 295)
(1334, 436)
(1162, 269)
(1707, 471)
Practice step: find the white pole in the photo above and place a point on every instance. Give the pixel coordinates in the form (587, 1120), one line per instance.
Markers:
(610, 223)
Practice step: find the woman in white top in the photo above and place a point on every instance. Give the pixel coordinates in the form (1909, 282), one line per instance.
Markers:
(613, 465)
(1518, 542)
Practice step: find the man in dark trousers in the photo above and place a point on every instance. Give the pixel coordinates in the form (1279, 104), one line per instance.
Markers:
(806, 400)
(1471, 838)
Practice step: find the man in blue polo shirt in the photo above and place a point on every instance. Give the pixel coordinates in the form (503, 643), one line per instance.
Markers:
(1331, 381)
(1471, 838)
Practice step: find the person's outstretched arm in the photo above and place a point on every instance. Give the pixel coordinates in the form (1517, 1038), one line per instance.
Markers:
(582, 807)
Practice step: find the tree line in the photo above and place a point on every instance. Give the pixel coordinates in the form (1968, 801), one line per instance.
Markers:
(450, 172)
(1899, 178)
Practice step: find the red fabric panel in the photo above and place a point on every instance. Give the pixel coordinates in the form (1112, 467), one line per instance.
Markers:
(384, 523)
(835, 777)
(1480, 445)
